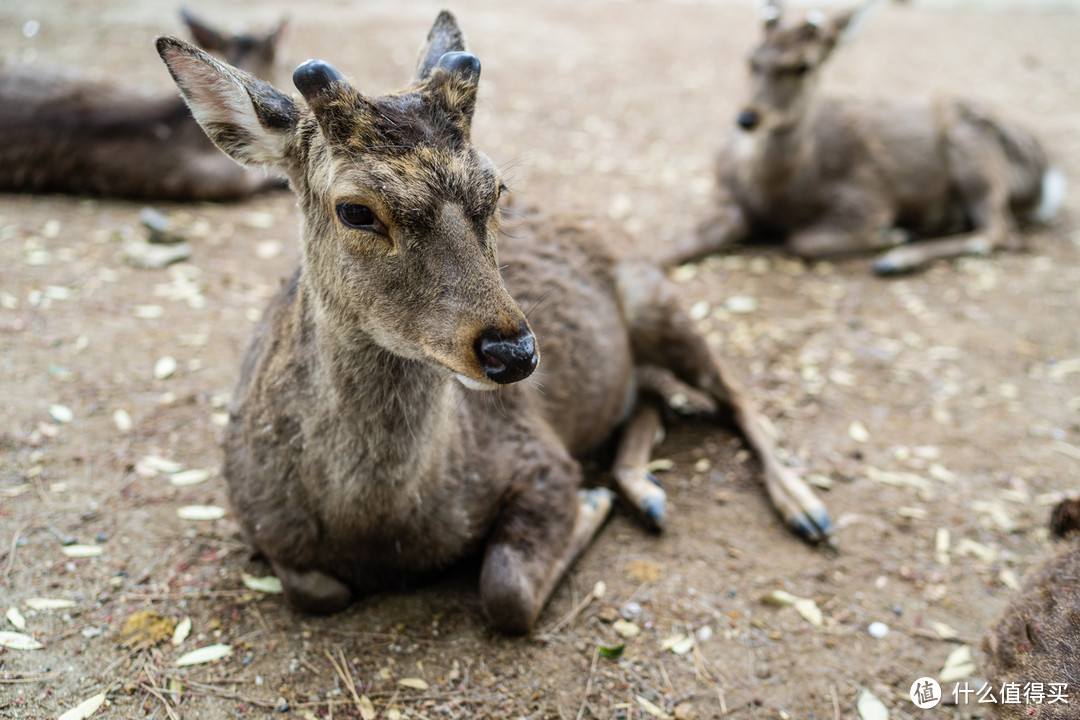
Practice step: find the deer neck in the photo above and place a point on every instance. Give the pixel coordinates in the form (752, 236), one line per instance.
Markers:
(785, 155)
(402, 412)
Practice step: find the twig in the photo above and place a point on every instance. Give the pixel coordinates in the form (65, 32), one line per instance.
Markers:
(345, 675)
(11, 552)
(186, 594)
(569, 617)
(153, 690)
(588, 682)
(204, 689)
(835, 702)
(16, 678)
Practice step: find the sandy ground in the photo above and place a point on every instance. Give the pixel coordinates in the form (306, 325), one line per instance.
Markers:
(964, 378)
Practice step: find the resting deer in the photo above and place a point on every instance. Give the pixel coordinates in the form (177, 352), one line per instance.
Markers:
(63, 134)
(1036, 642)
(383, 427)
(831, 176)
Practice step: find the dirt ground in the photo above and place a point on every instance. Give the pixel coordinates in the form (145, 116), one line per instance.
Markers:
(937, 411)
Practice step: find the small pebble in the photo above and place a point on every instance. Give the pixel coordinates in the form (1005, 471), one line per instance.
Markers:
(630, 611)
(878, 629)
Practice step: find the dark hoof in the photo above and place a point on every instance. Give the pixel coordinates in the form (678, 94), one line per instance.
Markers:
(653, 507)
(814, 528)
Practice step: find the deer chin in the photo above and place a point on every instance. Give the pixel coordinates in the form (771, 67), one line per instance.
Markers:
(474, 384)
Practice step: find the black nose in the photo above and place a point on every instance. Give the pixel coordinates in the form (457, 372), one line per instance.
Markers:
(748, 119)
(507, 360)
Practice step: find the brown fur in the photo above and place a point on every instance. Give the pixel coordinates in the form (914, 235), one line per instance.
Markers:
(61, 133)
(831, 176)
(373, 439)
(1037, 638)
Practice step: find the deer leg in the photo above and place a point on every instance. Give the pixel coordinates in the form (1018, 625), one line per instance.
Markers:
(641, 433)
(312, 591)
(818, 243)
(726, 226)
(662, 334)
(543, 527)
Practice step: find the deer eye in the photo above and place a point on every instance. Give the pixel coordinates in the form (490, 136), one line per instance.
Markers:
(802, 68)
(360, 217)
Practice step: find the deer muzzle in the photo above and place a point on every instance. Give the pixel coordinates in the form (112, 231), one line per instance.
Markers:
(506, 359)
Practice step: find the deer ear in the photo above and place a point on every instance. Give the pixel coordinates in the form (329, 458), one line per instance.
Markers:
(445, 36)
(203, 34)
(769, 11)
(844, 27)
(247, 118)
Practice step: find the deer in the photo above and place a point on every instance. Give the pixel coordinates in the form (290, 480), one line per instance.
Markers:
(62, 134)
(393, 416)
(835, 176)
(1036, 640)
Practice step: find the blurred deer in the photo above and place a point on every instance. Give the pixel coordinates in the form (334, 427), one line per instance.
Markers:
(63, 134)
(831, 176)
(1032, 651)
(388, 421)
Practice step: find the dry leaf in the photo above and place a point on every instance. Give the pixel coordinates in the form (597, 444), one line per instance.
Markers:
(958, 665)
(367, 709)
(200, 512)
(84, 709)
(678, 644)
(188, 477)
(652, 709)
(160, 464)
(48, 603)
(145, 629)
(123, 420)
(16, 618)
(626, 629)
(414, 683)
(945, 632)
(206, 654)
(779, 597)
(165, 367)
(870, 708)
(858, 432)
(810, 611)
(740, 304)
(82, 551)
(643, 570)
(268, 584)
(1008, 579)
(61, 413)
(18, 641)
(183, 629)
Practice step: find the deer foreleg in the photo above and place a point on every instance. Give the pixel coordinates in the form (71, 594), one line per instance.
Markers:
(641, 433)
(541, 530)
(726, 226)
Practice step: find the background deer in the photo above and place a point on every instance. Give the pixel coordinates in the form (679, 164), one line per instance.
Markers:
(383, 427)
(59, 133)
(1036, 642)
(832, 175)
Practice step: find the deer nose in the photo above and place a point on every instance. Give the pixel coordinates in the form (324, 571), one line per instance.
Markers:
(748, 119)
(507, 360)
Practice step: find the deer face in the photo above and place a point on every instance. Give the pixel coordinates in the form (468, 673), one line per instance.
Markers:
(400, 210)
(784, 69)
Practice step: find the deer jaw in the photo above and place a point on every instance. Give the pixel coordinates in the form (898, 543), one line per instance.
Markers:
(401, 211)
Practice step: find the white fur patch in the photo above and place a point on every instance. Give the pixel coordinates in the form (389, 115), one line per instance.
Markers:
(1051, 195)
(475, 384)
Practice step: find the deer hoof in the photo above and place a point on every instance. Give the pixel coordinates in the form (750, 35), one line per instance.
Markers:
(815, 526)
(313, 591)
(896, 262)
(653, 505)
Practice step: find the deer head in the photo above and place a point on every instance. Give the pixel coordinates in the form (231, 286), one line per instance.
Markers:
(253, 53)
(400, 210)
(785, 67)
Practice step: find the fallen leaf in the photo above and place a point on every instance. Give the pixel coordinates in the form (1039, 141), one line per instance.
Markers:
(1008, 579)
(82, 551)
(740, 304)
(84, 709)
(165, 367)
(652, 709)
(870, 708)
(958, 665)
(188, 477)
(18, 641)
(414, 683)
(779, 597)
(858, 432)
(162, 465)
(15, 618)
(206, 654)
(200, 512)
(268, 584)
(145, 629)
(945, 632)
(643, 570)
(183, 629)
(61, 413)
(122, 420)
(611, 653)
(367, 708)
(48, 603)
(809, 610)
(626, 629)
